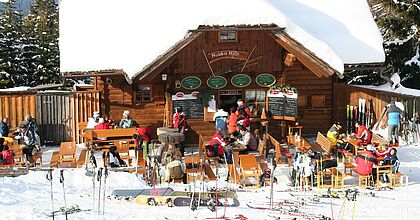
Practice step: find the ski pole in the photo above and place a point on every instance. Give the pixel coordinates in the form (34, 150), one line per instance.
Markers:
(49, 178)
(103, 198)
(64, 191)
(99, 178)
(93, 188)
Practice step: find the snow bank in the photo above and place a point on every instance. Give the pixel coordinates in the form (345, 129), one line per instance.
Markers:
(388, 88)
(129, 35)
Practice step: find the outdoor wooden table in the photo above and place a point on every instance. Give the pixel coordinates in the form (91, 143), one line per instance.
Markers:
(300, 144)
(235, 151)
(352, 141)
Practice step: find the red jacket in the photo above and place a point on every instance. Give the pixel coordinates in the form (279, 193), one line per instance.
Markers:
(179, 122)
(218, 139)
(232, 121)
(365, 161)
(101, 126)
(364, 134)
(8, 157)
(144, 134)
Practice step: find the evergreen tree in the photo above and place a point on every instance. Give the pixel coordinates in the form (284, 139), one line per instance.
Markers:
(399, 22)
(10, 43)
(41, 47)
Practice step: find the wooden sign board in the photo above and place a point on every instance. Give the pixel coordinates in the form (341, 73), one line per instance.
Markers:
(190, 105)
(227, 54)
(282, 106)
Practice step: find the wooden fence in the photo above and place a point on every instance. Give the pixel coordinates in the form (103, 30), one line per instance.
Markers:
(16, 105)
(349, 95)
(58, 112)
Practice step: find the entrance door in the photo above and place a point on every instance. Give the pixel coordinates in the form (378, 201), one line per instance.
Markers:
(228, 98)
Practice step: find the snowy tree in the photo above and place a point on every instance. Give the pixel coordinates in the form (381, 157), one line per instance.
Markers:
(41, 49)
(399, 22)
(10, 44)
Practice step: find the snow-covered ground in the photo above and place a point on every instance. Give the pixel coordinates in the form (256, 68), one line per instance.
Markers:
(28, 197)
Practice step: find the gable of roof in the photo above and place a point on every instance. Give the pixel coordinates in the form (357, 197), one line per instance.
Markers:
(132, 35)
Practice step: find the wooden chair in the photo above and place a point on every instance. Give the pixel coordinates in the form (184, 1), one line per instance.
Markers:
(19, 161)
(321, 177)
(249, 168)
(365, 180)
(36, 159)
(348, 168)
(337, 178)
(82, 158)
(55, 158)
(192, 167)
(234, 174)
(324, 143)
(399, 179)
(124, 150)
(67, 152)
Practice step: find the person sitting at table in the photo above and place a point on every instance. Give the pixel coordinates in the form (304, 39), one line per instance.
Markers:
(246, 139)
(101, 124)
(93, 121)
(108, 121)
(241, 105)
(220, 118)
(126, 120)
(365, 161)
(218, 146)
(391, 159)
(7, 156)
(363, 134)
(336, 138)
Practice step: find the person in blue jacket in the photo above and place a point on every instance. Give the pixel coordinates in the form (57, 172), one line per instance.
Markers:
(394, 114)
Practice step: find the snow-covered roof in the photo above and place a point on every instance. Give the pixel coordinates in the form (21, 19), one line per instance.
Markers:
(129, 34)
(395, 88)
(17, 89)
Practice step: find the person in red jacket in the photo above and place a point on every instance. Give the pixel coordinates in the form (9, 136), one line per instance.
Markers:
(232, 121)
(101, 125)
(7, 155)
(180, 123)
(363, 134)
(142, 135)
(365, 161)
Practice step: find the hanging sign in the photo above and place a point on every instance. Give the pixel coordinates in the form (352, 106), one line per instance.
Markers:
(217, 82)
(240, 80)
(191, 82)
(227, 54)
(282, 105)
(265, 80)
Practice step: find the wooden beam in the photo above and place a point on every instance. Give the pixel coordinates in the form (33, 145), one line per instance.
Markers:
(309, 60)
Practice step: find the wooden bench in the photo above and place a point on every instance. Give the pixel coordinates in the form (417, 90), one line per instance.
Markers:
(55, 158)
(93, 136)
(322, 144)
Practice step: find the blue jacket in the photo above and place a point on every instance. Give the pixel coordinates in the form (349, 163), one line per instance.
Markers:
(394, 114)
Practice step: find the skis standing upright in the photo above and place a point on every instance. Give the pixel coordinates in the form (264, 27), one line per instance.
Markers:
(99, 178)
(64, 191)
(50, 178)
(106, 173)
(348, 123)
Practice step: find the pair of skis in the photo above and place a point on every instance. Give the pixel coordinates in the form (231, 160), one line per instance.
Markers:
(63, 210)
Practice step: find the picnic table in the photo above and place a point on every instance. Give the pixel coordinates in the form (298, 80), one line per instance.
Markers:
(300, 143)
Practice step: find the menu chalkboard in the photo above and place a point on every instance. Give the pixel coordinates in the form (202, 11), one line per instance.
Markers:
(192, 108)
(276, 106)
(290, 107)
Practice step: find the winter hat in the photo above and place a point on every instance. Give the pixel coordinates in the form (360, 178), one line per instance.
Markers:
(96, 114)
(370, 147)
(101, 120)
(28, 118)
(126, 113)
(240, 102)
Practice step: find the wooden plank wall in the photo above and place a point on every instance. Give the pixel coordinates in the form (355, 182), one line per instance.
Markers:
(349, 95)
(313, 118)
(16, 107)
(83, 104)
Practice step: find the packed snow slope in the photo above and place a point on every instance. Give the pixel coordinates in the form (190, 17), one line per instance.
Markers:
(28, 197)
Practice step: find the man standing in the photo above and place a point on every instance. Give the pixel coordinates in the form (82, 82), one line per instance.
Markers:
(394, 114)
(4, 127)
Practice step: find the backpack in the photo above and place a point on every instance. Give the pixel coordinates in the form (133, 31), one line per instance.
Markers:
(221, 122)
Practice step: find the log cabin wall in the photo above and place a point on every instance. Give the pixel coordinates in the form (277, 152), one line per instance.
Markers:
(315, 100)
(349, 95)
